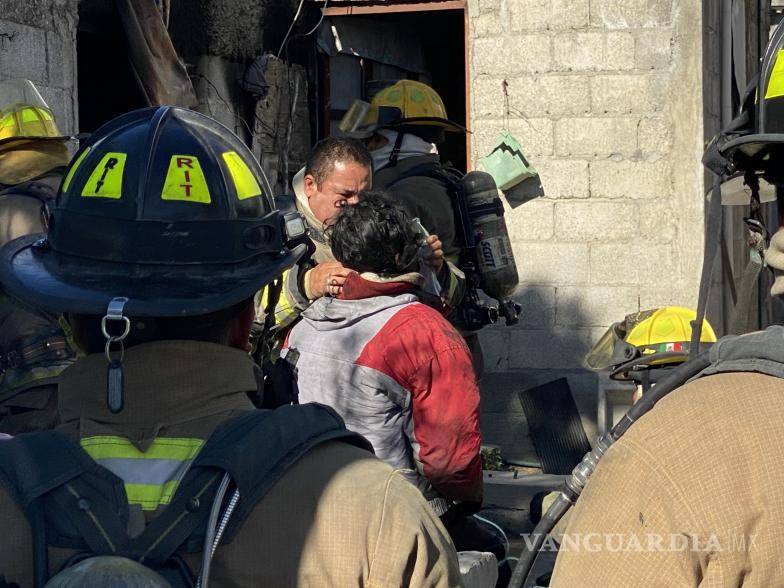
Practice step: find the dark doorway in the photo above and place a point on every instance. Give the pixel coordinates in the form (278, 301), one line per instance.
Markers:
(410, 51)
(107, 87)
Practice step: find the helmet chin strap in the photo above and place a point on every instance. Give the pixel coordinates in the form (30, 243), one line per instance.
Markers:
(396, 150)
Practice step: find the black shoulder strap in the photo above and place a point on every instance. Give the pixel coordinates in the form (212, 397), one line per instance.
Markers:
(447, 175)
(35, 464)
(85, 504)
(257, 448)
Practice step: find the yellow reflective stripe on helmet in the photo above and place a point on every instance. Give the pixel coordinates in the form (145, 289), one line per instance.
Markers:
(244, 181)
(151, 477)
(30, 115)
(74, 167)
(106, 179)
(8, 126)
(776, 81)
(185, 181)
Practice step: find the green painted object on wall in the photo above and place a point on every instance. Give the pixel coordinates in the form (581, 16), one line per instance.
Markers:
(507, 163)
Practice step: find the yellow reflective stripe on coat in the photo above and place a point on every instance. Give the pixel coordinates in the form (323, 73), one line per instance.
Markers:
(151, 477)
(285, 311)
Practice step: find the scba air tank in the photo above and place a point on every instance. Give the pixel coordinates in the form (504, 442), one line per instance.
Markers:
(495, 259)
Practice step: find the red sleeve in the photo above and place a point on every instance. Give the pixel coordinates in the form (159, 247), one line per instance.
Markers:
(445, 408)
(421, 351)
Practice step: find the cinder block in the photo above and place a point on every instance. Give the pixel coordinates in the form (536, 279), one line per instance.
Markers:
(619, 51)
(622, 14)
(594, 306)
(61, 103)
(581, 220)
(528, 15)
(551, 95)
(22, 52)
(631, 179)
(552, 263)
(509, 55)
(61, 56)
(538, 304)
(536, 135)
(595, 51)
(35, 13)
(548, 349)
(488, 5)
(563, 178)
(532, 221)
(485, 24)
(495, 348)
(655, 295)
(654, 136)
(658, 222)
(596, 137)
(487, 98)
(653, 49)
(632, 263)
(625, 94)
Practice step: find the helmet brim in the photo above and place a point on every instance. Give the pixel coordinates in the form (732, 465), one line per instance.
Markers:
(433, 121)
(42, 278)
(758, 152)
(13, 141)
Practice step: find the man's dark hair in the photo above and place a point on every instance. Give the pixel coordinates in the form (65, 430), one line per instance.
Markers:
(374, 236)
(327, 152)
(210, 328)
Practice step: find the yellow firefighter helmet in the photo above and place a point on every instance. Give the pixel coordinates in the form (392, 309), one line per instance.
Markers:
(406, 102)
(649, 338)
(24, 114)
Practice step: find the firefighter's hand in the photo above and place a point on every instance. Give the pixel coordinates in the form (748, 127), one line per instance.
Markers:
(435, 257)
(326, 279)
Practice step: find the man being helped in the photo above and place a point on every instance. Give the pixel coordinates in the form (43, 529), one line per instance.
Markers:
(402, 128)
(33, 348)
(691, 494)
(394, 368)
(159, 239)
(337, 170)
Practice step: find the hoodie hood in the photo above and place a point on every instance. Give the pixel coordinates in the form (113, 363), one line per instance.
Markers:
(315, 226)
(363, 295)
(412, 146)
(332, 314)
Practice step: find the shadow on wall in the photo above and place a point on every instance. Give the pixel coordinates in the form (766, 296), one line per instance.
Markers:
(530, 354)
(525, 191)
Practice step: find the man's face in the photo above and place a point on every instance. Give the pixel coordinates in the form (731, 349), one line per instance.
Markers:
(341, 186)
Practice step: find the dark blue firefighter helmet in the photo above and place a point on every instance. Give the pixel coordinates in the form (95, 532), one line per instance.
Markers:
(163, 206)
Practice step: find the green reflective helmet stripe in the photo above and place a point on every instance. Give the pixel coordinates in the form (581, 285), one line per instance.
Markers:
(150, 477)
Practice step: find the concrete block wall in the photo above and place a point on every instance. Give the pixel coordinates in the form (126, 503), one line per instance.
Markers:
(605, 97)
(38, 42)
